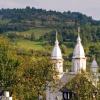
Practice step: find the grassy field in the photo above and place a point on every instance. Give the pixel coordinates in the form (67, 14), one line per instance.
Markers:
(37, 32)
(27, 44)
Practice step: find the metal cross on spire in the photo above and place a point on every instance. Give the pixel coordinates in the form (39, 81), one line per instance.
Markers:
(78, 30)
(56, 35)
(56, 42)
(79, 39)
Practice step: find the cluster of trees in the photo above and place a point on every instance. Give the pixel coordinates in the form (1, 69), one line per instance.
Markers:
(89, 33)
(25, 76)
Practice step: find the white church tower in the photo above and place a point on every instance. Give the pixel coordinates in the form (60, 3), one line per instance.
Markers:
(57, 59)
(94, 67)
(78, 59)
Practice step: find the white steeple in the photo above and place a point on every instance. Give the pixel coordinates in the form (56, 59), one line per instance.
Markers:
(56, 57)
(79, 59)
(79, 50)
(94, 66)
(56, 53)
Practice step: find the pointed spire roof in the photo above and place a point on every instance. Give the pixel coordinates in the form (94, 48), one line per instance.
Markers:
(56, 53)
(94, 64)
(79, 50)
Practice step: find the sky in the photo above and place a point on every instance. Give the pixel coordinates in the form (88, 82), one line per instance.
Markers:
(88, 7)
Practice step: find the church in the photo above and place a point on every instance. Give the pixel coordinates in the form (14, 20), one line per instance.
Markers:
(78, 65)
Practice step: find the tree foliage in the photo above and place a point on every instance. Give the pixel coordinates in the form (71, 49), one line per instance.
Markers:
(8, 65)
(83, 88)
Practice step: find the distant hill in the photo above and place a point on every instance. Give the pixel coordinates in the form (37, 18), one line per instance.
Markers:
(39, 25)
(27, 18)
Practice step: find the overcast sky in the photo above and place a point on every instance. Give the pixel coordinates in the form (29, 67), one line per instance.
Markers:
(88, 7)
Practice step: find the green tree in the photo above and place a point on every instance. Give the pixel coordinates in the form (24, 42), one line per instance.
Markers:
(38, 74)
(82, 87)
(8, 65)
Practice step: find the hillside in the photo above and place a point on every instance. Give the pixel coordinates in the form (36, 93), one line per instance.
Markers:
(26, 18)
(31, 28)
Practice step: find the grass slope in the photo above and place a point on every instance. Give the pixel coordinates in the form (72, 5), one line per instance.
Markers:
(27, 44)
(37, 32)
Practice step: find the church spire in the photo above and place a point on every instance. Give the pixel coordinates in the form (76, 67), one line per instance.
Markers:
(56, 57)
(94, 63)
(79, 50)
(79, 59)
(94, 66)
(56, 53)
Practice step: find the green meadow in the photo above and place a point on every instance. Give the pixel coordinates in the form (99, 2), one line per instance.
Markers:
(27, 44)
